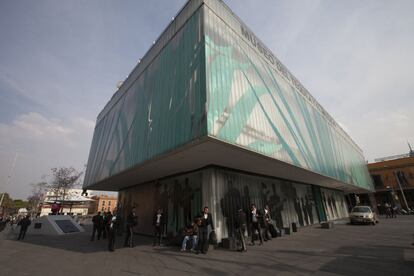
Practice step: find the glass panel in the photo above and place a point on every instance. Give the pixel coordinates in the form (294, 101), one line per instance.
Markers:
(256, 103)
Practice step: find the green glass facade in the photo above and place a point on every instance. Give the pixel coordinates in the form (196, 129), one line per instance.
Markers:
(158, 111)
(208, 76)
(253, 102)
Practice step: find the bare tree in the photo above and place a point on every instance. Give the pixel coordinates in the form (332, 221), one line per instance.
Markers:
(38, 191)
(64, 179)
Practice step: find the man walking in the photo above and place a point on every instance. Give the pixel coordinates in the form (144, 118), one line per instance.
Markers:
(206, 220)
(97, 221)
(266, 220)
(158, 223)
(255, 216)
(132, 220)
(106, 222)
(113, 226)
(24, 224)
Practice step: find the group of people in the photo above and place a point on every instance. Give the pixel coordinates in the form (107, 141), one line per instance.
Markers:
(390, 210)
(197, 235)
(262, 229)
(196, 232)
(262, 225)
(104, 225)
(108, 224)
(24, 223)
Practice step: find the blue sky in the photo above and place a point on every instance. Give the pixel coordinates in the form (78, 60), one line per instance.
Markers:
(60, 62)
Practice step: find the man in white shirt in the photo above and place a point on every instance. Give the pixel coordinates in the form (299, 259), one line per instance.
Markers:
(255, 216)
(158, 223)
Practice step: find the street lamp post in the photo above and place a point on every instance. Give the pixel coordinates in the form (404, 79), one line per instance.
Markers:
(1, 203)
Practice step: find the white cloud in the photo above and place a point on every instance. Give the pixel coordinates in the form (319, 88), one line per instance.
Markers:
(41, 143)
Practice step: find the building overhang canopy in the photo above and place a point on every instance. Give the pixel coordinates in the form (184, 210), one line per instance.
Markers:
(210, 151)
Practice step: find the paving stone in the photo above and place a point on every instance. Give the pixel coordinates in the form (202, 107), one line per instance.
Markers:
(344, 250)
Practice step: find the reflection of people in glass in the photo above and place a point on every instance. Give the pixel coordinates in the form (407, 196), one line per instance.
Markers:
(276, 207)
(309, 208)
(325, 205)
(176, 197)
(334, 206)
(241, 226)
(299, 211)
(187, 197)
(246, 204)
(305, 211)
(229, 204)
(330, 205)
(264, 194)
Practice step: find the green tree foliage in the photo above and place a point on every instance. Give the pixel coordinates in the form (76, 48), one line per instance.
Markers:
(19, 203)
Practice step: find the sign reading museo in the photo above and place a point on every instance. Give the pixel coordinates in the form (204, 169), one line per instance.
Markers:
(285, 72)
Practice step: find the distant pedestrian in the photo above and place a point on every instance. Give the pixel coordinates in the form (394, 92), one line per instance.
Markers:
(387, 210)
(132, 220)
(55, 208)
(158, 222)
(97, 221)
(24, 224)
(379, 208)
(394, 210)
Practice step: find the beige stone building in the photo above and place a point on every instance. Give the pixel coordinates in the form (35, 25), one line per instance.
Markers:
(103, 203)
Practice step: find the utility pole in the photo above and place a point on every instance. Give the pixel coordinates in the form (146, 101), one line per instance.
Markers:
(9, 176)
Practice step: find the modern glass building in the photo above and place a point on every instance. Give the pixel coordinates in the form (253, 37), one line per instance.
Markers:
(210, 116)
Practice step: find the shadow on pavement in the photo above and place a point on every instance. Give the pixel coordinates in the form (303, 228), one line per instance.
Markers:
(79, 242)
(263, 261)
(370, 260)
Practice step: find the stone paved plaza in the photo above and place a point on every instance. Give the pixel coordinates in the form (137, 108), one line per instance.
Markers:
(384, 249)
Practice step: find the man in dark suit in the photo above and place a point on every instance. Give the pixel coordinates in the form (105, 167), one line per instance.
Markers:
(106, 222)
(255, 218)
(97, 221)
(158, 222)
(112, 228)
(24, 224)
(265, 222)
(206, 220)
(132, 220)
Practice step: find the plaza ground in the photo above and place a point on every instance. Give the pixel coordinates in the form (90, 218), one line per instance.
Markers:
(384, 249)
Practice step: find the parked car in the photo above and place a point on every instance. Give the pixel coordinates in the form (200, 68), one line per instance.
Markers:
(363, 214)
